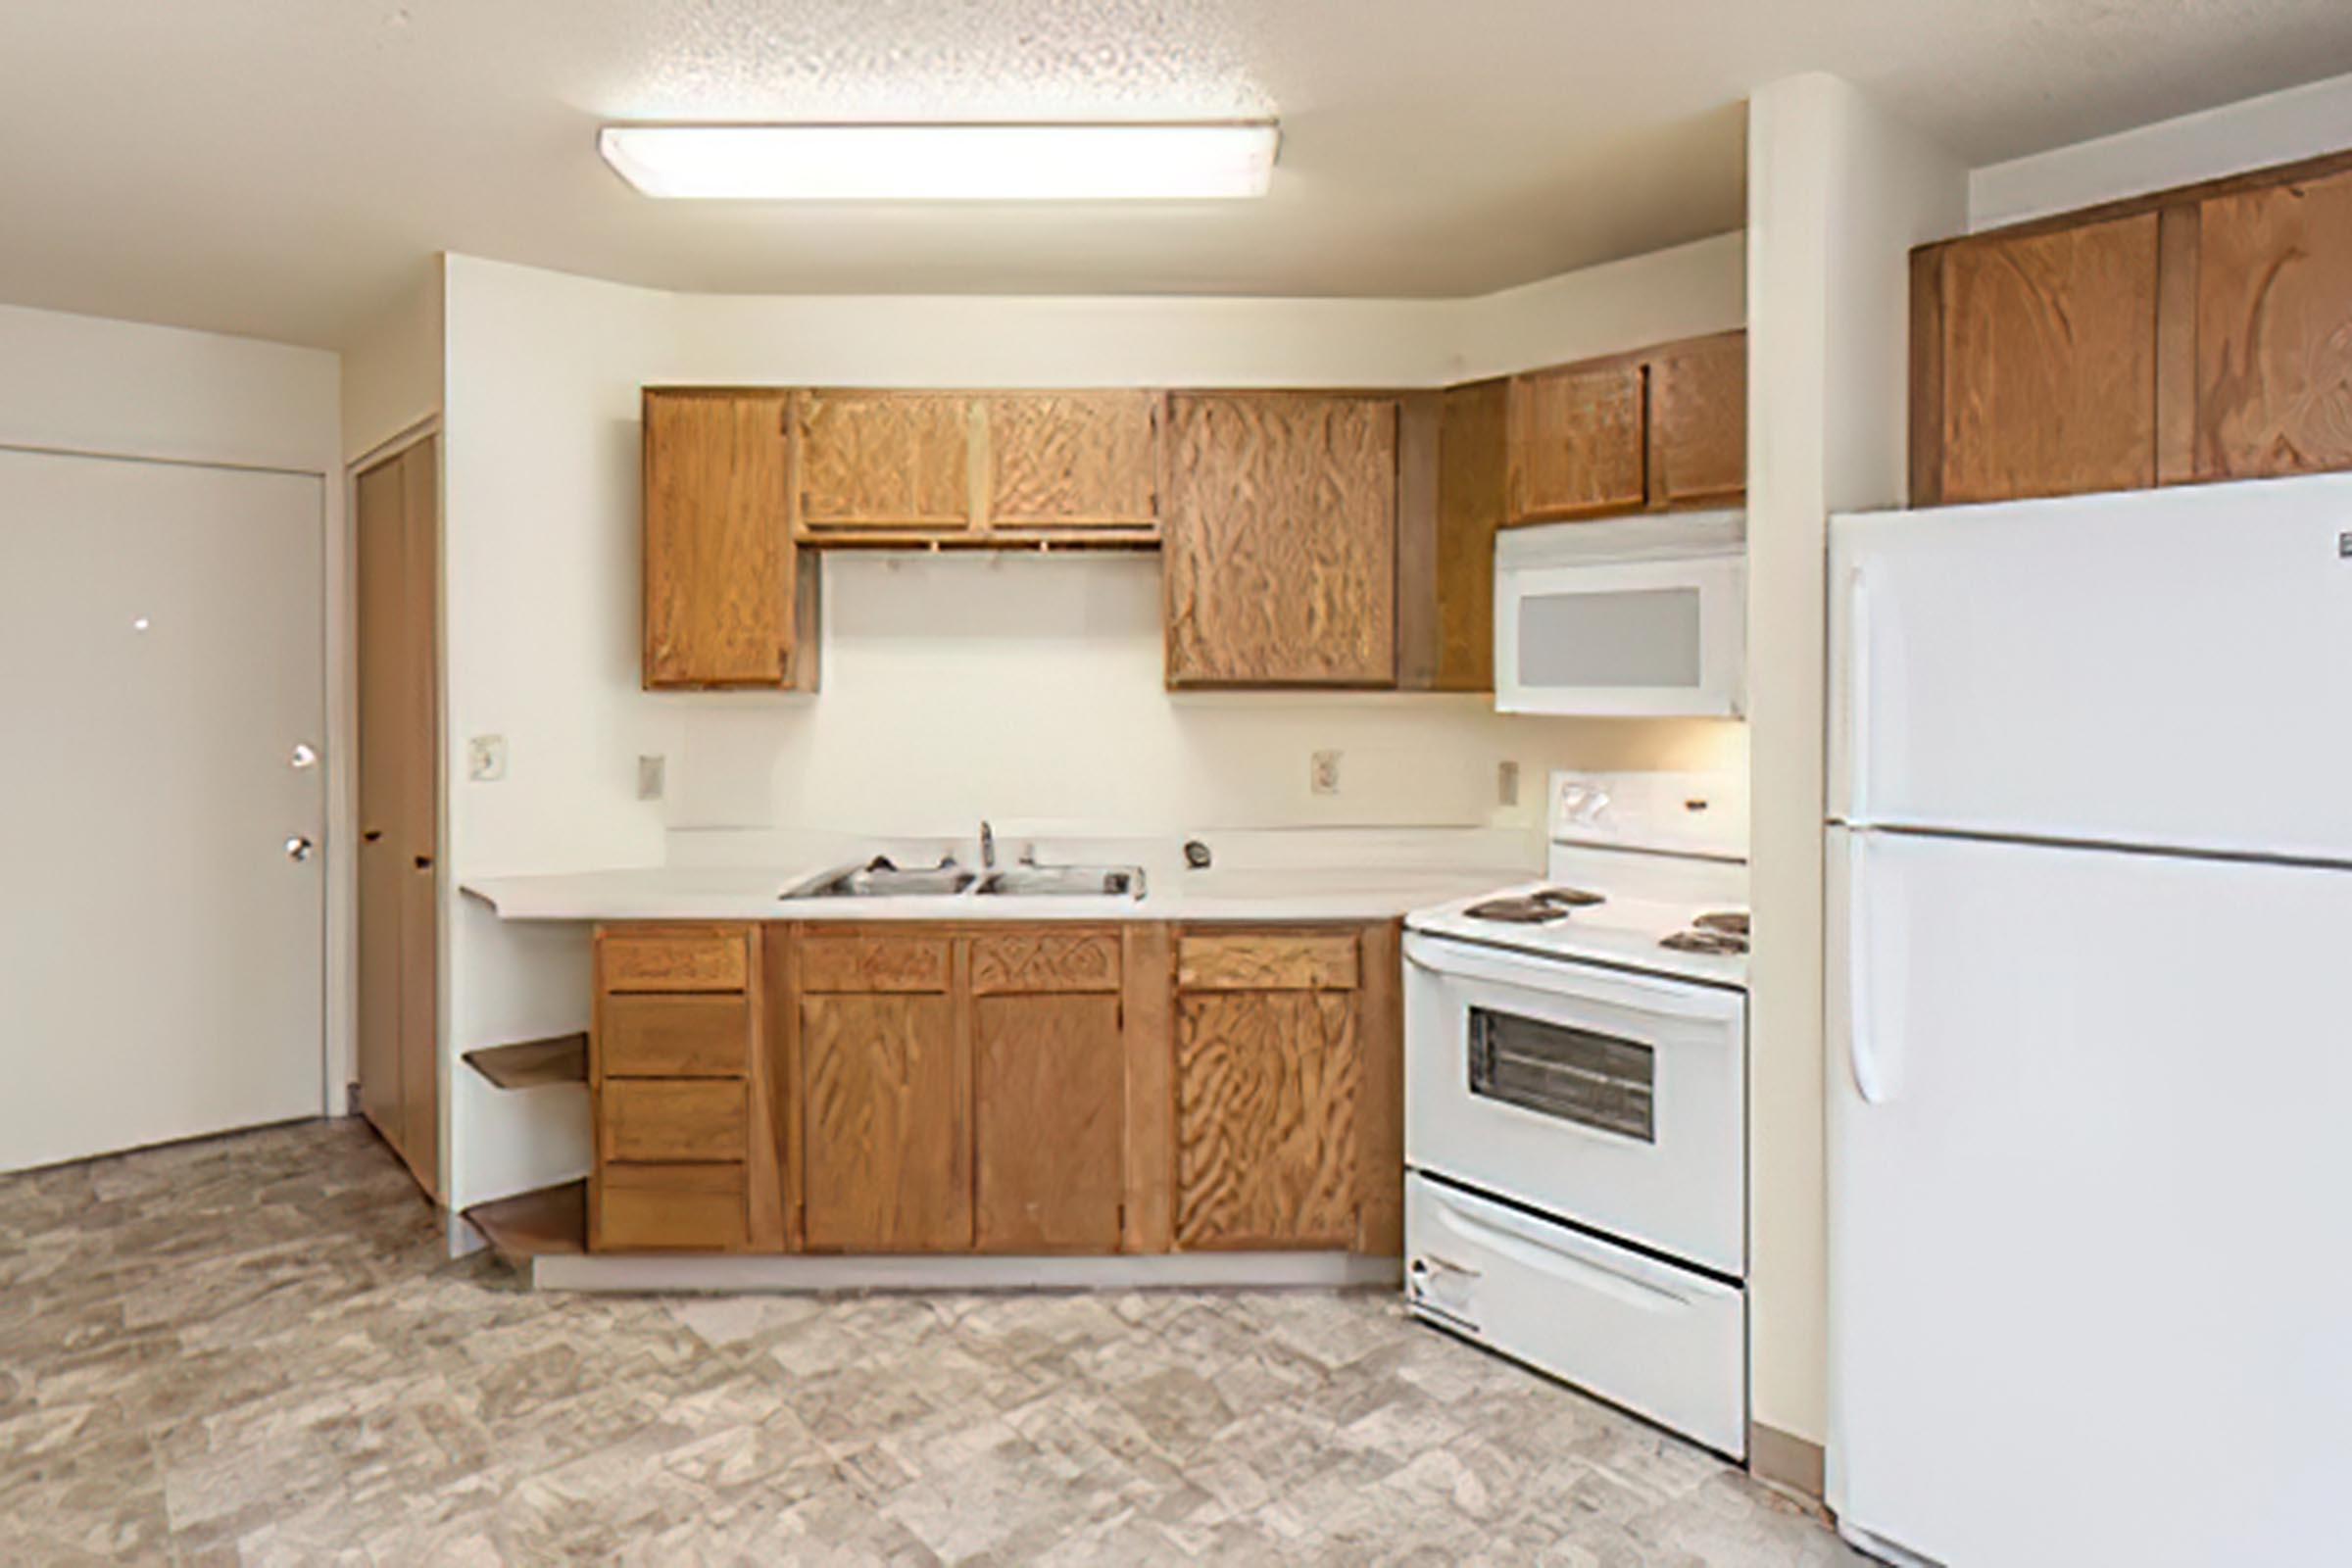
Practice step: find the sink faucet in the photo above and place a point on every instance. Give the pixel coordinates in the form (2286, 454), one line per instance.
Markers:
(988, 845)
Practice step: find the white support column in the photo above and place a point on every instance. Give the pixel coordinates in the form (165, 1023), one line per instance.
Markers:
(1837, 194)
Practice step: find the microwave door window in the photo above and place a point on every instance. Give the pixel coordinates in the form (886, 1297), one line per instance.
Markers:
(1573, 1075)
(1646, 639)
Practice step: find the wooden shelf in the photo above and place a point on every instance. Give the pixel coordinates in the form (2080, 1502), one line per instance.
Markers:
(535, 1224)
(531, 1064)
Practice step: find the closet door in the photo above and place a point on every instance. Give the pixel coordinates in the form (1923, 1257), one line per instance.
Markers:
(399, 762)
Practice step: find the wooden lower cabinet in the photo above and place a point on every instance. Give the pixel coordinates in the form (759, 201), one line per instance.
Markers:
(1049, 1081)
(1266, 1124)
(885, 1125)
(913, 1088)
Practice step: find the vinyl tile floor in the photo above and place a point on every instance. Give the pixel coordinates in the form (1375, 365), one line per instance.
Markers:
(254, 1349)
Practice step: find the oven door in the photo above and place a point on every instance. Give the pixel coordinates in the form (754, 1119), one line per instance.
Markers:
(1641, 638)
(1614, 1101)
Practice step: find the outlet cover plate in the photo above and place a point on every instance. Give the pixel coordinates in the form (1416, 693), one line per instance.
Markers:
(486, 759)
(1323, 773)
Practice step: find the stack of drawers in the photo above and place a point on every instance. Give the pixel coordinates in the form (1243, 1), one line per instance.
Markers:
(672, 1069)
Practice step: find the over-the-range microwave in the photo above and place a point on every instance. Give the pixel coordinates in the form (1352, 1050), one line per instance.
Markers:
(1634, 616)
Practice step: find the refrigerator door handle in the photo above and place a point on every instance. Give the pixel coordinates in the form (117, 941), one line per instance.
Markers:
(1861, 1058)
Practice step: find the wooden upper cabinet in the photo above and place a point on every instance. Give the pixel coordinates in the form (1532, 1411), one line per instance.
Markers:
(885, 460)
(1072, 459)
(2274, 330)
(723, 599)
(1698, 421)
(1577, 441)
(1281, 540)
(2192, 335)
(1459, 570)
(2048, 362)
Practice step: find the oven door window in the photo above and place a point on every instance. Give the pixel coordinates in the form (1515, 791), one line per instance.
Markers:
(1576, 1075)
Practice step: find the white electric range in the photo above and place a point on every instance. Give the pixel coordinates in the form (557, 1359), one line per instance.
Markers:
(1575, 1119)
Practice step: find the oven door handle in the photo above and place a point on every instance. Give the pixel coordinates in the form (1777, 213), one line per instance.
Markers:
(1667, 997)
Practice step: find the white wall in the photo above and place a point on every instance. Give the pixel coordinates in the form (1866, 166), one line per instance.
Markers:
(953, 688)
(2275, 128)
(1839, 192)
(393, 372)
(83, 383)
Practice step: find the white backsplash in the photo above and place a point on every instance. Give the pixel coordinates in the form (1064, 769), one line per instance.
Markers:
(1028, 690)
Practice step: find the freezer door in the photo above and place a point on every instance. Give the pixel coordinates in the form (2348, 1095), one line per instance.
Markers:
(2167, 667)
(2091, 1293)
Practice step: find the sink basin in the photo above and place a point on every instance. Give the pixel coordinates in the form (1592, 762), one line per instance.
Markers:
(1068, 881)
(879, 879)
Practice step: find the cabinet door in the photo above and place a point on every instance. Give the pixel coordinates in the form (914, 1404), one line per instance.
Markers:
(1073, 460)
(1049, 1101)
(886, 1134)
(2049, 362)
(2275, 330)
(1472, 461)
(720, 572)
(1266, 1147)
(1698, 421)
(885, 460)
(1281, 549)
(1575, 441)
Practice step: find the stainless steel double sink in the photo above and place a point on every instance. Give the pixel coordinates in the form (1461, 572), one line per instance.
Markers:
(878, 878)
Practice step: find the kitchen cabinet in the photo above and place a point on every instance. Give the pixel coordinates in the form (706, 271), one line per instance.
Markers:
(1280, 563)
(2274, 330)
(1086, 461)
(2188, 335)
(1450, 501)
(1577, 441)
(727, 600)
(1267, 1081)
(885, 1102)
(931, 1087)
(2047, 354)
(1652, 429)
(1698, 421)
(883, 460)
(680, 1092)
(976, 468)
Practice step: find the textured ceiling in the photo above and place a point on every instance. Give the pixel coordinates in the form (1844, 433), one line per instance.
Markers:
(280, 167)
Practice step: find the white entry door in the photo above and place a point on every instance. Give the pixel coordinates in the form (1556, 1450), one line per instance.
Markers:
(161, 802)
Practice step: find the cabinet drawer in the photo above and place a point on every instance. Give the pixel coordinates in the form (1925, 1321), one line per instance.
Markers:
(689, 1208)
(1045, 961)
(672, 1119)
(1267, 961)
(873, 963)
(681, 959)
(676, 1036)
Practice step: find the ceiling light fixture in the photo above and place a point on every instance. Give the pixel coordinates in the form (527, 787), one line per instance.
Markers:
(945, 163)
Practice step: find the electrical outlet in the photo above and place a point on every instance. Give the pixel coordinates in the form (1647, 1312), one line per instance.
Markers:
(1323, 773)
(652, 775)
(1507, 784)
(486, 759)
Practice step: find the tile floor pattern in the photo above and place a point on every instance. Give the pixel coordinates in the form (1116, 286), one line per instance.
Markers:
(251, 1350)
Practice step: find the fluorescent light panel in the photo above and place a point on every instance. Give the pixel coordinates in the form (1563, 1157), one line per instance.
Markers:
(945, 163)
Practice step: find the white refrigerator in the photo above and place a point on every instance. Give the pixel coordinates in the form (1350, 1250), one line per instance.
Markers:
(2091, 1029)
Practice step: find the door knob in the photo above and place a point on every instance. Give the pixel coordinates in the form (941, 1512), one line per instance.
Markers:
(299, 848)
(303, 757)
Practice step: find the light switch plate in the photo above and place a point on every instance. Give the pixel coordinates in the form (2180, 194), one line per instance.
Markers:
(651, 777)
(1323, 773)
(486, 759)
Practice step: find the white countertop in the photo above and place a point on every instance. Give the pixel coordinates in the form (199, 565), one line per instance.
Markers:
(677, 892)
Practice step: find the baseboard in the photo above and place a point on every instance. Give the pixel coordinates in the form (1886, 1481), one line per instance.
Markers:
(643, 1272)
(1784, 1460)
